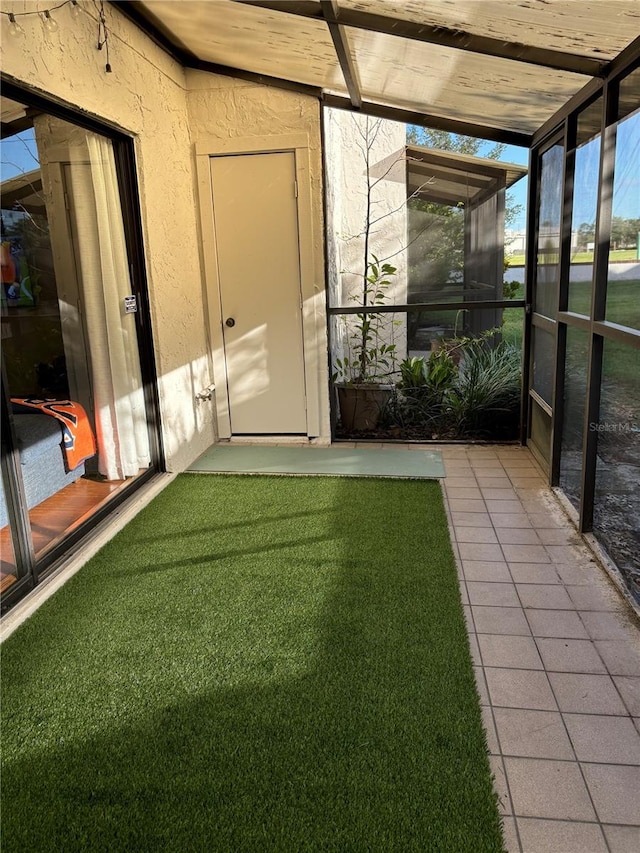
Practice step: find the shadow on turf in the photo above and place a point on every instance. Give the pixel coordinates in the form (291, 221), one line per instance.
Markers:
(236, 525)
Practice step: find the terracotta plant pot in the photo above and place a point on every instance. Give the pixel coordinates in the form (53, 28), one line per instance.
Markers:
(362, 405)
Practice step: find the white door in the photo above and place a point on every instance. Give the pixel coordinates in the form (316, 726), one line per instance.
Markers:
(256, 228)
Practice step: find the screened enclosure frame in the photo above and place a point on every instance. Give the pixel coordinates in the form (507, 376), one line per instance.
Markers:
(595, 325)
(466, 181)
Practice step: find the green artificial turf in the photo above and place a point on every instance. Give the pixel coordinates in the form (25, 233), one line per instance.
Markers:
(253, 664)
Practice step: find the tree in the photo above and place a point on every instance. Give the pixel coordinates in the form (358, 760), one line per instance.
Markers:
(586, 235)
(468, 145)
(624, 232)
(370, 355)
(451, 142)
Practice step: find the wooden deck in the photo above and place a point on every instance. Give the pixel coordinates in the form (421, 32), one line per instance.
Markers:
(54, 518)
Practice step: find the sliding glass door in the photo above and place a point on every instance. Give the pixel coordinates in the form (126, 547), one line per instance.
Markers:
(78, 421)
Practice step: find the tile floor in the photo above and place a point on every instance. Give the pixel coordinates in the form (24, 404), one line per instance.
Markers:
(557, 653)
(557, 657)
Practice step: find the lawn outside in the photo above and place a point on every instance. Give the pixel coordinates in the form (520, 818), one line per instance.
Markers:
(517, 260)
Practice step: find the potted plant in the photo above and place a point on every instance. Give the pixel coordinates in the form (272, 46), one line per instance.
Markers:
(364, 369)
(362, 376)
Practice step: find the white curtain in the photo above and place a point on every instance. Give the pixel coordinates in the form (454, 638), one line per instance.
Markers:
(84, 165)
(118, 398)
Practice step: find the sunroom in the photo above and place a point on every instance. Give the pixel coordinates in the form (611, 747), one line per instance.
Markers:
(166, 256)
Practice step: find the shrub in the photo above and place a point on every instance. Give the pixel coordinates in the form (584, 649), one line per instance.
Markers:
(485, 400)
(480, 398)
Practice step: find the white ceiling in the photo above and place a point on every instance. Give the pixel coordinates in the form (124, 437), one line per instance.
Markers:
(505, 65)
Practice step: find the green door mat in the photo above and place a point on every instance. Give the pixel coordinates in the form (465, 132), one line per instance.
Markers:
(340, 461)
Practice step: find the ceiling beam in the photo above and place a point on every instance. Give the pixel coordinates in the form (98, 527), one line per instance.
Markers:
(485, 195)
(451, 176)
(31, 191)
(626, 59)
(255, 77)
(451, 199)
(343, 51)
(444, 36)
(444, 159)
(479, 131)
(10, 128)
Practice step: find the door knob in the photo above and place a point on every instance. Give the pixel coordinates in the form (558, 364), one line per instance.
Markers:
(230, 322)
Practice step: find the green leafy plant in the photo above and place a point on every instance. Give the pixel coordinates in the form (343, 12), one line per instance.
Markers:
(436, 373)
(413, 373)
(486, 396)
(479, 397)
(423, 387)
(510, 289)
(442, 370)
(371, 357)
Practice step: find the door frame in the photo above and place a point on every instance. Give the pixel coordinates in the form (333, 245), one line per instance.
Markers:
(298, 144)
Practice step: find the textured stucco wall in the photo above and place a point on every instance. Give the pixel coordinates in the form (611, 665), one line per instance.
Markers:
(222, 109)
(365, 155)
(144, 96)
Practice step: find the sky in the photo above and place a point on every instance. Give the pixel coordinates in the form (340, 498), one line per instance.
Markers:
(517, 195)
(626, 194)
(19, 154)
(626, 182)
